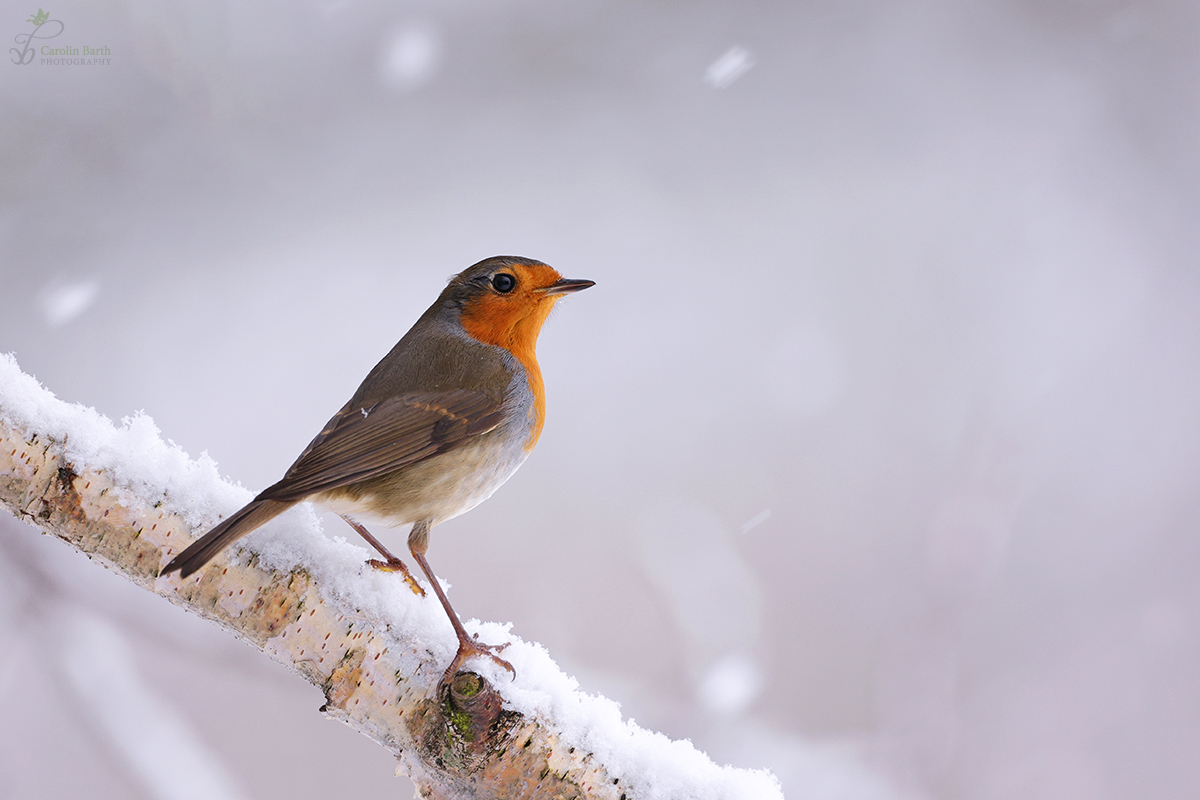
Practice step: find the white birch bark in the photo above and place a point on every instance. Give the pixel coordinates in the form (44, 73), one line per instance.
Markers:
(466, 743)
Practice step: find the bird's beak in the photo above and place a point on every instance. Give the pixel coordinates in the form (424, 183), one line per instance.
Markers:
(567, 286)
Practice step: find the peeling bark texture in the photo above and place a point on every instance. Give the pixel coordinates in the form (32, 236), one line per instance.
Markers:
(456, 741)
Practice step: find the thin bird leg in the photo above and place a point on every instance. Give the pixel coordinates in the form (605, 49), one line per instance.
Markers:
(418, 543)
(392, 564)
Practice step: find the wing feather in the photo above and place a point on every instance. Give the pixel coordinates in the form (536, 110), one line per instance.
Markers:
(361, 443)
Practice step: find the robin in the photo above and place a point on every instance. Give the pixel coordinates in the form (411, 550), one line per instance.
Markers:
(437, 426)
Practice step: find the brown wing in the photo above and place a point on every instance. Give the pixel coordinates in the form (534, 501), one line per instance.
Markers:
(360, 443)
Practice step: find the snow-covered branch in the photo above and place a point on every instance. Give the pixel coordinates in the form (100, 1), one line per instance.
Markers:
(130, 501)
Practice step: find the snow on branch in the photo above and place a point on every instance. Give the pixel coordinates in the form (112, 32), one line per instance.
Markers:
(130, 501)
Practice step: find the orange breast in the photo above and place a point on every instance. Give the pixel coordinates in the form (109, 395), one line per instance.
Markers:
(513, 322)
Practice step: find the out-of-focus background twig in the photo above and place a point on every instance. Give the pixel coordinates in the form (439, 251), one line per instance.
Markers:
(884, 416)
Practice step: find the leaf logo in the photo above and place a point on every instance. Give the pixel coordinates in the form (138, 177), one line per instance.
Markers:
(27, 52)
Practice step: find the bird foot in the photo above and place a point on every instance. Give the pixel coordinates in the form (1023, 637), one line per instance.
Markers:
(469, 648)
(396, 565)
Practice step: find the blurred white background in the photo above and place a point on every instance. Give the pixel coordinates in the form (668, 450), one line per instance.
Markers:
(872, 458)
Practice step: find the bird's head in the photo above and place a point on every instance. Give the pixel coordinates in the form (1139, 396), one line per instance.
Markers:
(505, 299)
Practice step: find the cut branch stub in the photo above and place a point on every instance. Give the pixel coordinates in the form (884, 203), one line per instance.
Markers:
(465, 727)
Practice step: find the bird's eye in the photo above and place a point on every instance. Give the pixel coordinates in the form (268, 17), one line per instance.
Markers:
(504, 283)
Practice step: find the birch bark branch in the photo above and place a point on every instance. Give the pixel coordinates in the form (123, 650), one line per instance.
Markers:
(130, 502)
(463, 744)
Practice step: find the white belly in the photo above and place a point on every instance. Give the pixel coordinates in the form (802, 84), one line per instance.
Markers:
(438, 489)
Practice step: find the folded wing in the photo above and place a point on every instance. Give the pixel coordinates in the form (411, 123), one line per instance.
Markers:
(364, 442)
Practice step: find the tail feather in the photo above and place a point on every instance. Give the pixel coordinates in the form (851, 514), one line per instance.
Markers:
(237, 525)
